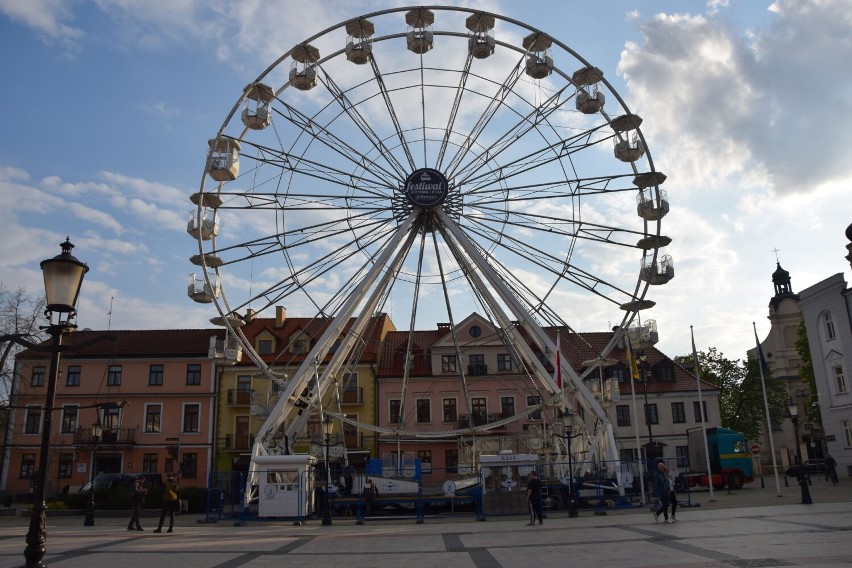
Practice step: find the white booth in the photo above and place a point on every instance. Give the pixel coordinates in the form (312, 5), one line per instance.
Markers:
(286, 487)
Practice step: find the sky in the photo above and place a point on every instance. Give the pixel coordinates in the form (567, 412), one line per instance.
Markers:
(108, 106)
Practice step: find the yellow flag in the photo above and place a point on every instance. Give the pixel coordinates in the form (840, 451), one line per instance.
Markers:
(631, 359)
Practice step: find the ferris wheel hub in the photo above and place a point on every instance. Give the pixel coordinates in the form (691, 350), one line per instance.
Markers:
(426, 188)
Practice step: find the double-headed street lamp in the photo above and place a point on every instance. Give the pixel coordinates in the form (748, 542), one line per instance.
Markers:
(793, 408)
(326, 512)
(568, 437)
(63, 277)
(97, 432)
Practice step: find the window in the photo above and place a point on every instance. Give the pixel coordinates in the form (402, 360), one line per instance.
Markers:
(149, 463)
(191, 417)
(477, 365)
(27, 466)
(193, 374)
(300, 346)
(264, 347)
(665, 374)
(111, 419)
(829, 326)
(66, 465)
(678, 413)
(697, 412)
(839, 380)
(682, 454)
(189, 465)
(155, 375)
(504, 362)
(622, 415)
(617, 373)
(507, 406)
(114, 375)
(425, 457)
(153, 414)
(38, 377)
(451, 461)
(32, 422)
(475, 331)
(534, 400)
(69, 419)
(450, 410)
(847, 430)
(394, 411)
(651, 416)
(449, 364)
(424, 410)
(479, 406)
(72, 378)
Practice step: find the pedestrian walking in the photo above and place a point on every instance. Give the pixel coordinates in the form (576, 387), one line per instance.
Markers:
(661, 491)
(831, 464)
(534, 498)
(672, 478)
(369, 492)
(171, 494)
(137, 497)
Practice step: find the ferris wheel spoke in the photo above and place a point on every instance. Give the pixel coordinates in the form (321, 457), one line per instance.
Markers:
(454, 111)
(322, 134)
(363, 125)
(391, 112)
(566, 188)
(516, 134)
(505, 88)
(543, 156)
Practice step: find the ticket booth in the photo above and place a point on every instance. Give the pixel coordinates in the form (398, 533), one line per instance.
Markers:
(285, 489)
(504, 482)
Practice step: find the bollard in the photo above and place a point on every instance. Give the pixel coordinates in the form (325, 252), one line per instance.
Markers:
(762, 484)
(806, 493)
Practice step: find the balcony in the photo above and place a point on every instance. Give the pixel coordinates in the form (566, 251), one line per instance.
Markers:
(117, 437)
(238, 397)
(479, 369)
(353, 395)
(238, 441)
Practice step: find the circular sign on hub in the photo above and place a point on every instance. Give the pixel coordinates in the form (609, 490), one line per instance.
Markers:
(426, 188)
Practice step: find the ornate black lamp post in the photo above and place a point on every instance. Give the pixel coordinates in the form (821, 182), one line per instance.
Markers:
(572, 498)
(793, 408)
(63, 277)
(326, 512)
(97, 432)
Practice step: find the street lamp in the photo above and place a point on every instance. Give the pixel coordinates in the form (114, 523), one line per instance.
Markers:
(572, 499)
(97, 432)
(326, 512)
(63, 277)
(793, 408)
(643, 370)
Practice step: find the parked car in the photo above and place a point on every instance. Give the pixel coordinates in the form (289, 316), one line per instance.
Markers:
(105, 481)
(810, 467)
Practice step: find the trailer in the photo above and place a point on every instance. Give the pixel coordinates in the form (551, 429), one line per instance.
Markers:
(730, 458)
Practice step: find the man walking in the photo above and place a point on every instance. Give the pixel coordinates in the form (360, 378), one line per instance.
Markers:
(661, 490)
(670, 476)
(171, 491)
(534, 499)
(137, 497)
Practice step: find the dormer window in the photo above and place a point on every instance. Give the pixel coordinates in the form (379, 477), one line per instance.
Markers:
(264, 347)
(300, 346)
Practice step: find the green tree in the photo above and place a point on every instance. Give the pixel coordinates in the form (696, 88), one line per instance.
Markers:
(740, 393)
(806, 371)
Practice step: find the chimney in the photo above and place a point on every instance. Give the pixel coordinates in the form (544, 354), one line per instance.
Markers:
(249, 315)
(280, 316)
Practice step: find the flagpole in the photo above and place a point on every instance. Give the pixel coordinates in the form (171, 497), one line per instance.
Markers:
(760, 363)
(702, 415)
(631, 378)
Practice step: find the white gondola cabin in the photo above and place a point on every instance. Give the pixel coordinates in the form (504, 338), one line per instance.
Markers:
(359, 44)
(481, 43)
(539, 61)
(303, 70)
(659, 272)
(420, 38)
(651, 205)
(589, 99)
(205, 226)
(202, 291)
(224, 159)
(228, 351)
(643, 336)
(256, 113)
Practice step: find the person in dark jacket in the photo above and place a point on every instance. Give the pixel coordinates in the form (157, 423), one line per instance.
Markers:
(661, 491)
(171, 492)
(534, 499)
(137, 497)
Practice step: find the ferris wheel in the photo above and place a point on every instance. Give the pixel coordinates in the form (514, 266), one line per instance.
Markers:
(430, 163)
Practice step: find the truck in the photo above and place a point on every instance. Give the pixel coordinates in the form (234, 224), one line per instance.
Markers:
(730, 458)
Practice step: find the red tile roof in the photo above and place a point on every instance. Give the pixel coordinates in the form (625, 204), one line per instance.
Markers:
(132, 343)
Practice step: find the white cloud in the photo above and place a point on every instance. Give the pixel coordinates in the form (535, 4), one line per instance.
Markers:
(47, 17)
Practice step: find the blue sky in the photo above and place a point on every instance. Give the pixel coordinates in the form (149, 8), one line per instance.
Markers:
(109, 105)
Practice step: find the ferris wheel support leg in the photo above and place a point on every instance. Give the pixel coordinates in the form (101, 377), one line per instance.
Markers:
(304, 374)
(538, 335)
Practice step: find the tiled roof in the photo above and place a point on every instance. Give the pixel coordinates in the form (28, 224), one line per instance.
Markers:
(133, 343)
